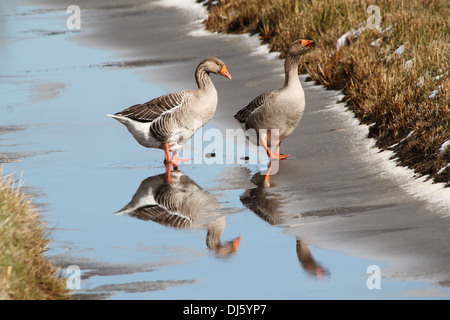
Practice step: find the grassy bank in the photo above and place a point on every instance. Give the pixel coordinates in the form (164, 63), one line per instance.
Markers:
(25, 273)
(395, 78)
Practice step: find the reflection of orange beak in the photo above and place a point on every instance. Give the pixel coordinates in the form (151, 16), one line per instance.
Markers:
(236, 243)
(320, 273)
(308, 43)
(224, 72)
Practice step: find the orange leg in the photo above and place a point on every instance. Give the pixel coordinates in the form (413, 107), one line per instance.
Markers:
(167, 157)
(281, 156)
(274, 155)
(175, 160)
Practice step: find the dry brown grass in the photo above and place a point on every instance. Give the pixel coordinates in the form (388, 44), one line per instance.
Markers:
(25, 273)
(389, 92)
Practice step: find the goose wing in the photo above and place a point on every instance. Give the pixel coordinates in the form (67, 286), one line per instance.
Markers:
(243, 114)
(153, 109)
(162, 216)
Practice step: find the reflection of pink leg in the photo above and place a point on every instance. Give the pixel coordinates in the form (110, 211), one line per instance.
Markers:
(272, 169)
(236, 243)
(267, 176)
(320, 273)
(168, 176)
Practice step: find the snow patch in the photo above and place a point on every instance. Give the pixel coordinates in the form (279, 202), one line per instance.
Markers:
(192, 6)
(265, 50)
(343, 40)
(435, 195)
(409, 64)
(400, 50)
(435, 93)
(376, 43)
(444, 146)
(442, 169)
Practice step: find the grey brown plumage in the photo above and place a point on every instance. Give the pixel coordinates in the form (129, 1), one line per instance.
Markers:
(169, 121)
(275, 114)
(243, 115)
(152, 110)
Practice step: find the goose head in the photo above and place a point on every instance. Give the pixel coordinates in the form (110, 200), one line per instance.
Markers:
(300, 46)
(215, 65)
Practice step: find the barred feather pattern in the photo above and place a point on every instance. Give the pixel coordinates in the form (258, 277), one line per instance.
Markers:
(153, 109)
(245, 113)
(276, 113)
(162, 216)
(160, 112)
(177, 204)
(180, 203)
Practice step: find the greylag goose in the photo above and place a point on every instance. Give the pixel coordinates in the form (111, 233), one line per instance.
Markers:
(180, 203)
(275, 114)
(169, 121)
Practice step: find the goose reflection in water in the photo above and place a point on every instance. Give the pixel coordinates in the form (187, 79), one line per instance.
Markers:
(173, 199)
(267, 205)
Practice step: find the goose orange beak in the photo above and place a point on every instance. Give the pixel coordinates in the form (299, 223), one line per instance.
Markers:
(224, 72)
(308, 43)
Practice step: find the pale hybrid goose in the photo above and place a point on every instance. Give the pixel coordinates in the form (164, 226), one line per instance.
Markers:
(169, 121)
(180, 203)
(276, 113)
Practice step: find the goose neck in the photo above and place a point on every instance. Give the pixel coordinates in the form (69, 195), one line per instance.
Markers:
(202, 78)
(291, 70)
(214, 233)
